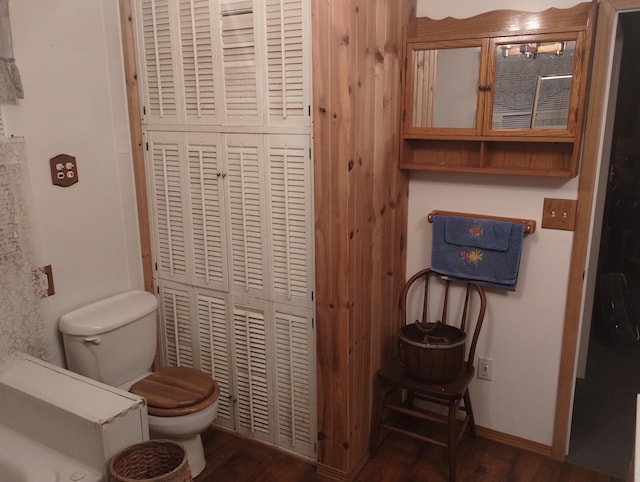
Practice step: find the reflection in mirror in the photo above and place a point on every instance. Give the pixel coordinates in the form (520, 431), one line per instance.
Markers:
(445, 87)
(551, 102)
(533, 85)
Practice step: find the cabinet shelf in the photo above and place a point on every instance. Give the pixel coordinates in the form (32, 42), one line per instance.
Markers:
(506, 138)
(553, 159)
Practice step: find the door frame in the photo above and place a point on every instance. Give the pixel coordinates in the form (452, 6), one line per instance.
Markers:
(598, 104)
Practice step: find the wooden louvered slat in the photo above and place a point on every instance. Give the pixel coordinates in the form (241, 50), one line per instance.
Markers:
(198, 64)
(251, 372)
(207, 210)
(214, 339)
(246, 207)
(176, 313)
(289, 179)
(159, 86)
(167, 205)
(239, 60)
(286, 48)
(294, 369)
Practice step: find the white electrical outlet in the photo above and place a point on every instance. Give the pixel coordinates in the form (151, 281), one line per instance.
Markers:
(485, 368)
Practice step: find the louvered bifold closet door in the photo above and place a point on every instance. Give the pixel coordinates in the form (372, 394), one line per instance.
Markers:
(253, 399)
(178, 45)
(207, 174)
(287, 49)
(198, 46)
(241, 62)
(247, 213)
(291, 235)
(214, 349)
(295, 379)
(157, 58)
(165, 158)
(177, 334)
(226, 122)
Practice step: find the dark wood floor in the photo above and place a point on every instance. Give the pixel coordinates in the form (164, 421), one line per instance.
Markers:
(399, 459)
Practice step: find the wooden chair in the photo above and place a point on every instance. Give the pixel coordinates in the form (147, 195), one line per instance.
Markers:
(391, 411)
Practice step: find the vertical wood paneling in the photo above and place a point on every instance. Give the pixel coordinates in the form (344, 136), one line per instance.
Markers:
(360, 213)
(330, 41)
(135, 129)
(360, 221)
(391, 185)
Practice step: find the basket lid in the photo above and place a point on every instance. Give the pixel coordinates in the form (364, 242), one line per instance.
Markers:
(434, 335)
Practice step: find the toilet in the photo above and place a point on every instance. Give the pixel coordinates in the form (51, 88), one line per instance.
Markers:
(114, 341)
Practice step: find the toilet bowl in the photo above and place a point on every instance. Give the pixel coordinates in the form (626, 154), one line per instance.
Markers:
(181, 403)
(114, 341)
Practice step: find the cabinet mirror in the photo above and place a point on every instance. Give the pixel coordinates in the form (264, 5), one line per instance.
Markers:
(445, 87)
(532, 85)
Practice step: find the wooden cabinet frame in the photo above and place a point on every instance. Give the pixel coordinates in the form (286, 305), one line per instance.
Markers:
(483, 149)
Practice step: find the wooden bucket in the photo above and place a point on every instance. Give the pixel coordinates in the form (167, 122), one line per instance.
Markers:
(433, 354)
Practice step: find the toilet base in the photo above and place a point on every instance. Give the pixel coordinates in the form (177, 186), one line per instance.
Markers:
(194, 449)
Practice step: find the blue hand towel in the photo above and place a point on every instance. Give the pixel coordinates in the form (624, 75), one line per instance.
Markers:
(483, 251)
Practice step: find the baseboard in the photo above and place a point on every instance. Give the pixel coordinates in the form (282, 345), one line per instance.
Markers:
(332, 473)
(514, 441)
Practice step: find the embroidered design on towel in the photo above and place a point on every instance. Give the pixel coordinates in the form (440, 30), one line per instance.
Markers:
(473, 257)
(475, 231)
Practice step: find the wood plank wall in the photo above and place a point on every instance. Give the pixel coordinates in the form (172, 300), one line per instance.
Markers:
(360, 213)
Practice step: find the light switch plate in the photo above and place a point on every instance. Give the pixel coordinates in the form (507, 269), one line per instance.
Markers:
(559, 214)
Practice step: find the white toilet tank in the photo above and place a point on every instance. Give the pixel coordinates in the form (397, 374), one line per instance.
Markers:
(112, 340)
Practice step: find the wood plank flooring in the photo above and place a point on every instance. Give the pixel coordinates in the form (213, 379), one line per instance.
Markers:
(399, 459)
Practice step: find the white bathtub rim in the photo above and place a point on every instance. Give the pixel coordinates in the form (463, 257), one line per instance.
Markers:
(31, 461)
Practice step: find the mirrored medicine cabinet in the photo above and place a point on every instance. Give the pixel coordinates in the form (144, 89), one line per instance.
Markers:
(502, 92)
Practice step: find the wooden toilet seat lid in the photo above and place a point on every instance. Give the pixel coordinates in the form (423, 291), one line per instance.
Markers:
(174, 391)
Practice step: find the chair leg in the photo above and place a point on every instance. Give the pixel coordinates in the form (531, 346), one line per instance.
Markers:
(468, 408)
(453, 439)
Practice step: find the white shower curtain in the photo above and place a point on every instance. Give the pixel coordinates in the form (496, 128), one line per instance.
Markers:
(21, 327)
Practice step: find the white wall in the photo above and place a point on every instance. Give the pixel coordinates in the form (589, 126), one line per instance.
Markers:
(70, 60)
(523, 330)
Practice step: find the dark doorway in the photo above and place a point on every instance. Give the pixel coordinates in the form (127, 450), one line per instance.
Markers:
(603, 423)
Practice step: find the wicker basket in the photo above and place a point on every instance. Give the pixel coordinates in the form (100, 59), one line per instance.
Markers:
(151, 461)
